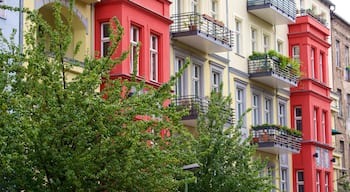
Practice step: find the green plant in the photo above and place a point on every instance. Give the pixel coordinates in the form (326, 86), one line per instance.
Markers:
(278, 127)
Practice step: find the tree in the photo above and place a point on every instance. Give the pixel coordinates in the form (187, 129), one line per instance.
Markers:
(226, 160)
(57, 135)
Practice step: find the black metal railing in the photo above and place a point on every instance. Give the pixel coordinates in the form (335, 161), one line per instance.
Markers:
(310, 12)
(204, 23)
(268, 64)
(197, 105)
(278, 137)
(287, 7)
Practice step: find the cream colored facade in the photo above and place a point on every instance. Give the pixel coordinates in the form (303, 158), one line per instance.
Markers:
(235, 75)
(82, 26)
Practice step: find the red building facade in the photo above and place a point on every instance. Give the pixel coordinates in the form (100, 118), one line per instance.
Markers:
(145, 23)
(310, 106)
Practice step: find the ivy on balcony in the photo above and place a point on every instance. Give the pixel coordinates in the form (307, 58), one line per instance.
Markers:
(283, 129)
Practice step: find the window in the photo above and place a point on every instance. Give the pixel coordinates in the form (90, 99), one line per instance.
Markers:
(196, 80)
(2, 11)
(180, 84)
(239, 102)
(342, 151)
(315, 124)
(346, 57)
(326, 182)
(312, 63)
(255, 109)
(238, 36)
(340, 105)
(282, 114)
(134, 40)
(194, 6)
(323, 126)
(284, 180)
(176, 6)
(216, 79)
(266, 41)
(105, 41)
(298, 119)
(268, 110)
(348, 106)
(253, 36)
(300, 181)
(280, 47)
(296, 53)
(154, 57)
(318, 188)
(337, 53)
(321, 67)
(213, 9)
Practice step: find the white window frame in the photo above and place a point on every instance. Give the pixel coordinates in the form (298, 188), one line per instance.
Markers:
(266, 42)
(323, 126)
(326, 182)
(238, 33)
(256, 109)
(180, 85)
(284, 180)
(348, 106)
(194, 6)
(296, 53)
(279, 46)
(134, 43)
(282, 113)
(298, 118)
(315, 124)
(268, 116)
(318, 187)
(213, 8)
(340, 103)
(300, 182)
(3, 11)
(154, 58)
(321, 67)
(312, 60)
(215, 80)
(253, 34)
(197, 80)
(337, 53)
(104, 39)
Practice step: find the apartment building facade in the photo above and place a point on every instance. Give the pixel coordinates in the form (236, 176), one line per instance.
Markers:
(341, 88)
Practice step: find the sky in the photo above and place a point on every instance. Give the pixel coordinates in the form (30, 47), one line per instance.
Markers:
(342, 8)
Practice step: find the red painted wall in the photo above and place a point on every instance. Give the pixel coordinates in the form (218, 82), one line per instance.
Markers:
(151, 18)
(312, 92)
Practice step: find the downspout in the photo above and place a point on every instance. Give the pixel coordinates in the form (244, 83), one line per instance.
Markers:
(92, 29)
(228, 54)
(20, 27)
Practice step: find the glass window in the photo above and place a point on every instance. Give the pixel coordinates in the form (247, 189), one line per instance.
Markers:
(213, 9)
(134, 40)
(348, 106)
(255, 109)
(268, 110)
(2, 11)
(280, 47)
(253, 36)
(266, 42)
(300, 181)
(238, 36)
(340, 105)
(296, 53)
(337, 53)
(284, 180)
(318, 188)
(216, 79)
(315, 124)
(194, 6)
(282, 118)
(323, 125)
(154, 57)
(346, 58)
(326, 182)
(105, 41)
(312, 60)
(298, 119)
(180, 84)
(196, 80)
(321, 67)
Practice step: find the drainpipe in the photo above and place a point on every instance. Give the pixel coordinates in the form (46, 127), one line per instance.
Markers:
(20, 27)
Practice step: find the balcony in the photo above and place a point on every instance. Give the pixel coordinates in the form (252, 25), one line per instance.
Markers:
(202, 32)
(273, 139)
(270, 71)
(310, 12)
(195, 107)
(276, 12)
(90, 1)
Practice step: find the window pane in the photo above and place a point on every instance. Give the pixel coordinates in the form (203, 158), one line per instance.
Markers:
(105, 30)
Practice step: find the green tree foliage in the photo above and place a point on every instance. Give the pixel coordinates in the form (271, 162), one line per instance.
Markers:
(226, 160)
(57, 135)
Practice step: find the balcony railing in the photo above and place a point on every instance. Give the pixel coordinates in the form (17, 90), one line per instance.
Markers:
(267, 9)
(196, 106)
(270, 71)
(273, 139)
(310, 12)
(194, 24)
